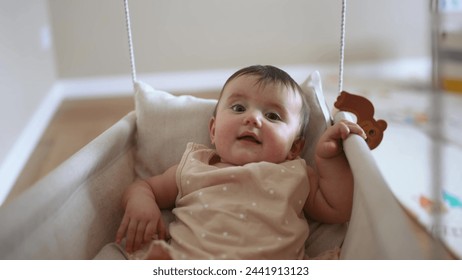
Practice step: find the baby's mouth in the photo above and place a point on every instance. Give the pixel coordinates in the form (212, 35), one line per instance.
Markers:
(249, 138)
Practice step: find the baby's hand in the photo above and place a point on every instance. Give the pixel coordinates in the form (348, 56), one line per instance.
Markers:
(141, 223)
(330, 143)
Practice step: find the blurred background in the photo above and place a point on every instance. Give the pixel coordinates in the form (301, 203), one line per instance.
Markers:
(57, 49)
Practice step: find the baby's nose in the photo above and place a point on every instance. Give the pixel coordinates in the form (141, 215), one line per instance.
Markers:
(253, 118)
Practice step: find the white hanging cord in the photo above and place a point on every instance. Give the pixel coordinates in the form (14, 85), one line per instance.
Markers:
(130, 42)
(342, 47)
(436, 114)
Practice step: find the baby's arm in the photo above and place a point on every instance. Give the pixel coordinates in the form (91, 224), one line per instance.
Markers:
(142, 202)
(331, 189)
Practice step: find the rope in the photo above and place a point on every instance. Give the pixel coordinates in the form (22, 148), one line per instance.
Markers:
(436, 114)
(130, 42)
(342, 47)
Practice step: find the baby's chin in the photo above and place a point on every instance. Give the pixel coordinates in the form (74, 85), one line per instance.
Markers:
(247, 160)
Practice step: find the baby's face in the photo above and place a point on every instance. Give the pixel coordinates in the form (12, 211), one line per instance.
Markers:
(256, 122)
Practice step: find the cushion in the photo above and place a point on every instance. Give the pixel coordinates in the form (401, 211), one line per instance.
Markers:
(320, 117)
(166, 123)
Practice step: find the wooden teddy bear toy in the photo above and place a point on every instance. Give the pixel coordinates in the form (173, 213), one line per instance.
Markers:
(364, 111)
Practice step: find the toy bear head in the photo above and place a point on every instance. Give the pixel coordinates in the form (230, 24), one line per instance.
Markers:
(374, 131)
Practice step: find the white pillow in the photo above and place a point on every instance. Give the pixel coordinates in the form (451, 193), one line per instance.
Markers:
(166, 123)
(320, 117)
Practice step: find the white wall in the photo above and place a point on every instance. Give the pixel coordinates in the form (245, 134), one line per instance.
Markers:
(176, 35)
(27, 73)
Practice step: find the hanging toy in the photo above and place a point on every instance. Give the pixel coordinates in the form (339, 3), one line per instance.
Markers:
(363, 109)
(358, 105)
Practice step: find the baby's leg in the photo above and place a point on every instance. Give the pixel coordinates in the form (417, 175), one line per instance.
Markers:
(111, 251)
(158, 252)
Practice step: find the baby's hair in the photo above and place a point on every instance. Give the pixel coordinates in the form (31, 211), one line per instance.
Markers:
(272, 74)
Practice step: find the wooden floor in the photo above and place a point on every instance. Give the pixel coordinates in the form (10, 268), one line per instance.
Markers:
(74, 125)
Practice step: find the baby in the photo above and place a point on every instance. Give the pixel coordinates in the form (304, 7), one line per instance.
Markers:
(251, 196)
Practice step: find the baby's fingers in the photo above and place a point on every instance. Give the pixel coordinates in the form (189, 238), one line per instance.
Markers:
(162, 230)
(346, 128)
(356, 129)
(155, 230)
(139, 236)
(150, 232)
(122, 230)
(131, 235)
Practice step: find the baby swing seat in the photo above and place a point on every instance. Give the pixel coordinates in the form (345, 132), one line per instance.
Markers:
(75, 211)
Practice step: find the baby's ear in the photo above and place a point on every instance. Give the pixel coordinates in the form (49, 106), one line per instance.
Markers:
(296, 148)
(212, 130)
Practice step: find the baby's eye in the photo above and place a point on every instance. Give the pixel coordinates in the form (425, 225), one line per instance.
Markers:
(273, 116)
(238, 108)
